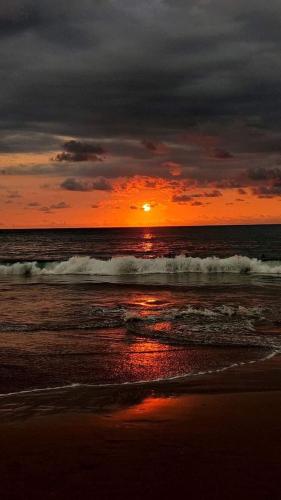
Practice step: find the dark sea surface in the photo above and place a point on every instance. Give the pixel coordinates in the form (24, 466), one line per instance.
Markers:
(115, 306)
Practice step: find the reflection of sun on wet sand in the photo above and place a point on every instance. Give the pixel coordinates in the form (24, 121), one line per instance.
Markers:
(219, 441)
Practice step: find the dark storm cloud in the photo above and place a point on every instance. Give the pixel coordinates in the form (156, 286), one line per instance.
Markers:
(83, 147)
(213, 194)
(131, 71)
(120, 66)
(268, 182)
(76, 157)
(49, 20)
(261, 174)
(18, 16)
(76, 151)
(221, 154)
(204, 174)
(268, 191)
(26, 142)
(154, 147)
(72, 184)
(80, 169)
(182, 198)
(186, 198)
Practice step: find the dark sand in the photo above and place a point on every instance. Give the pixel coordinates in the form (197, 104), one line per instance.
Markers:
(209, 437)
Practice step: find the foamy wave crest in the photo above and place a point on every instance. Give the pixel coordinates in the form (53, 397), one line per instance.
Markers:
(219, 312)
(131, 265)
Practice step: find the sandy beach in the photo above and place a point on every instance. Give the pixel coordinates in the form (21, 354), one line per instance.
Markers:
(209, 437)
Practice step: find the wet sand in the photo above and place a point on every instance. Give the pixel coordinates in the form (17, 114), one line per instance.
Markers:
(210, 437)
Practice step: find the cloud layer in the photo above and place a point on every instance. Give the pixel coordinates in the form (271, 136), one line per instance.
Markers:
(96, 94)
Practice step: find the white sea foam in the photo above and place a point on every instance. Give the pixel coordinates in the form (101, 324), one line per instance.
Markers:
(137, 266)
(217, 313)
(132, 316)
(228, 311)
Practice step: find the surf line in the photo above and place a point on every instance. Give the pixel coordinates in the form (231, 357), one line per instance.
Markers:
(139, 382)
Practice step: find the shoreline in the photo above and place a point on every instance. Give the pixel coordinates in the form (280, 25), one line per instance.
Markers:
(260, 375)
(213, 437)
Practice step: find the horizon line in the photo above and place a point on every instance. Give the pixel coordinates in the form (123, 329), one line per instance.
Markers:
(53, 228)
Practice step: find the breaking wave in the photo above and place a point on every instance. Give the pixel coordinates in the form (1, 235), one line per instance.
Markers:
(137, 266)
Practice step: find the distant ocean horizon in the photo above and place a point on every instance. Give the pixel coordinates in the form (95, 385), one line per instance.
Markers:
(39, 228)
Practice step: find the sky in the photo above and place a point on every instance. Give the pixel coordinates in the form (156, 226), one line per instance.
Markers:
(107, 105)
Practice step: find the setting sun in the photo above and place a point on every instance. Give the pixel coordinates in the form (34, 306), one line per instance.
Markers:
(146, 207)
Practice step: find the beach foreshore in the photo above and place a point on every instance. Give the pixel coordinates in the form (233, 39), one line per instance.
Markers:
(215, 436)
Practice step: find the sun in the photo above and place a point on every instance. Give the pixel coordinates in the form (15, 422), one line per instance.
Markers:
(146, 207)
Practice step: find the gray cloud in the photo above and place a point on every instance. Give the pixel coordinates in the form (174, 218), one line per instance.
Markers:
(60, 205)
(33, 204)
(268, 191)
(186, 198)
(221, 154)
(212, 194)
(113, 75)
(262, 174)
(18, 141)
(45, 209)
(268, 182)
(71, 184)
(106, 66)
(182, 198)
(77, 151)
(13, 195)
(154, 146)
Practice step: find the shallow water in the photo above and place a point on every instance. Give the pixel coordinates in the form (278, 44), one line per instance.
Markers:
(92, 321)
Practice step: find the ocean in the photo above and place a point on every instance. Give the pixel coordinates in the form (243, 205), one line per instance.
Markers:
(90, 307)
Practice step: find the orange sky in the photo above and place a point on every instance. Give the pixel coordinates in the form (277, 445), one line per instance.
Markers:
(38, 190)
(29, 201)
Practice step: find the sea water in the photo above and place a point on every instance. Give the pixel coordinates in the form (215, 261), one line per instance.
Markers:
(123, 306)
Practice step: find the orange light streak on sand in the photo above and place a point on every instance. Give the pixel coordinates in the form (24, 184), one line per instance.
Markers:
(156, 407)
